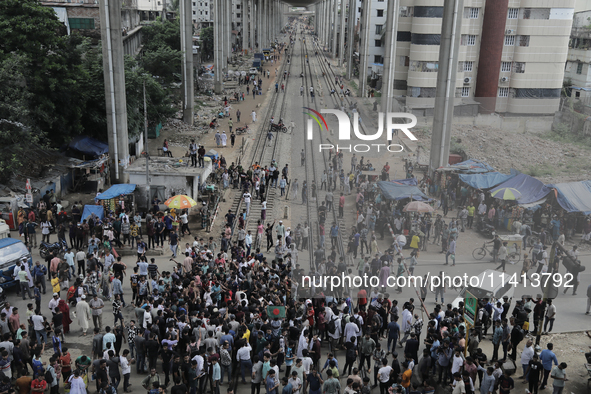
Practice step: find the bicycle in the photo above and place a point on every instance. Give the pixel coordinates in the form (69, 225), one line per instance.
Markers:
(480, 253)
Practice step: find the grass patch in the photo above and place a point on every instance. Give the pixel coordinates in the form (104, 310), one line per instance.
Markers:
(353, 85)
(539, 171)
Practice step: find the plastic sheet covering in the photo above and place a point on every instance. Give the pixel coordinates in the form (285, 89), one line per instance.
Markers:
(428, 12)
(574, 196)
(536, 93)
(116, 191)
(530, 188)
(487, 180)
(403, 36)
(396, 191)
(429, 39)
(98, 210)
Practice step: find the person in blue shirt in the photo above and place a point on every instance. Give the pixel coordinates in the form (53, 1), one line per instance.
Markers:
(287, 387)
(330, 358)
(314, 381)
(393, 332)
(547, 357)
(271, 382)
(496, 340)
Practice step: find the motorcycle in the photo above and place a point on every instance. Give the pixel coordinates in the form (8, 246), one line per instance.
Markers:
(279, 127)
(57, 248)
(484, 228)
(242, 130)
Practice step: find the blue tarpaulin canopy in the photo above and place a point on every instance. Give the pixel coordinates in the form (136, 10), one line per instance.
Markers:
(574, 196)
(531, 189)
(407, 181)
(88, 146)
(486, 180)
(472, 166)
(116, 191)
(98, 210)
(393, 191)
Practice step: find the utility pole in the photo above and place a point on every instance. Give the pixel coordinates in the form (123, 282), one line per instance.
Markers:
(146, 148)
(187, 65)
(446, 83)
(390, 56)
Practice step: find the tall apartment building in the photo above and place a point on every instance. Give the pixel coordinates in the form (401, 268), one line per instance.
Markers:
(578, 65)
(203, 13)
(511, 58)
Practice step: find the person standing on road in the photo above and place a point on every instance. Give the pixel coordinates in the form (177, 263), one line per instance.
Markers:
(253, 114)
(547, 357)
(559, 376)
(238, 113)
(503, 256)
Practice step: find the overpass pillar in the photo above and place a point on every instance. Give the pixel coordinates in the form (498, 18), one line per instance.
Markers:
(363, 50)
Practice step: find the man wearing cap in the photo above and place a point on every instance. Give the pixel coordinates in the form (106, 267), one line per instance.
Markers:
(54, 302)
(83, 313)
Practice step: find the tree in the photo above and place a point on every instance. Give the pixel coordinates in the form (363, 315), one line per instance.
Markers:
(164, 62)
(51, 67)
(207, 43)
(162, 33)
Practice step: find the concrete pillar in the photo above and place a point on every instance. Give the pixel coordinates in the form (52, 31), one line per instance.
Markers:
(326, 23)
(251, 21)
(363, 49)
(341, 51)
(390, 55)
(271, 21)
(335, 28)
(187, 64)
(259, 26)
(351, 22)
(489, 62)
(218, 48)
(263, 36)
(222, 32)
(229, 40)
(446, 82)
(244, 23)
(114, 74)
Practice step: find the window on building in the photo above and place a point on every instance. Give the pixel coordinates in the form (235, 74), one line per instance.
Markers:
(579, 68)
(467, 66)
(400, 84)
(378, 43)
(194, 4)
(201, 12)
(523, 41)
(380, 1)
(405, 12)
(425, 39)
(509, 41)
(194, 12)
(377, 59)
(403, 36)
(422, 66)
(503, 92)
(466, 91)
(519, 67)
(237, 6)
(471, 13)
(237, 15)
(536, 13)
(468, 39)
(413, 91)
(513, 12)
(379, 29)
(81, 23)
(506, 66)
(403, 61)
(380, 13)
(205, 12)
(428, 12)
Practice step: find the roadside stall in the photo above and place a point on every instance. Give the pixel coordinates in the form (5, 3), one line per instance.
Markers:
(118, 198)
(97, 210)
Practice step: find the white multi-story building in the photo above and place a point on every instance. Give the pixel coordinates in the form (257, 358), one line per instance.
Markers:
(202, 13)
(578, 65)
(511, 58)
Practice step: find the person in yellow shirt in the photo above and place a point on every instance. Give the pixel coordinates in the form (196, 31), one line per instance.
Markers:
(471, 209)
(55, 283)
(406, 376)
(414, 243)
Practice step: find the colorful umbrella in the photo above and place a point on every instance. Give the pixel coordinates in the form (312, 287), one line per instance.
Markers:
(507, 193)
(417, 206)
(180, 202)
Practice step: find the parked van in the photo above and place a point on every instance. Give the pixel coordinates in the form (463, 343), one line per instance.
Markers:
(12, 251)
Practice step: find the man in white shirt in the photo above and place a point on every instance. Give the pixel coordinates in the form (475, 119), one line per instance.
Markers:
(307, 361)
(334, 337)
(550, 316)
(405, 325)
(243, 356)
(459, 386)
(147, 317)
(384, 375)
(526, 356)
(351, 330)
(247, 197)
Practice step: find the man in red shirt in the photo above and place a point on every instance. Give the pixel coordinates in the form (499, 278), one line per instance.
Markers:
(38, 385)
(361, 298)
(386, 172)
(341, 205)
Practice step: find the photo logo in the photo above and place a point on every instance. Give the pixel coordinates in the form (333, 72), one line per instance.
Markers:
(345, 124)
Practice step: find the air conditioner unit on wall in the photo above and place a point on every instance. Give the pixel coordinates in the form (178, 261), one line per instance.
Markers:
(467, 80)
(505, 79)
(509, 31)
